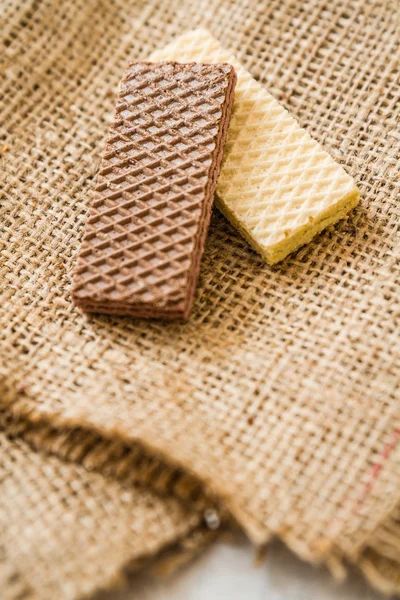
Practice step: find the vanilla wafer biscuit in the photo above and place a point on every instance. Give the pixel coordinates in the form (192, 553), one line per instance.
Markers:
(277, 185)
(141, 251)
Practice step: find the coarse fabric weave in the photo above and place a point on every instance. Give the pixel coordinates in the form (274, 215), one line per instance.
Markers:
(281, 394)
(69, 528)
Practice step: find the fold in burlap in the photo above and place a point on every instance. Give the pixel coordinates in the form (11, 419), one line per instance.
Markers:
(68, 529)
(280, 396)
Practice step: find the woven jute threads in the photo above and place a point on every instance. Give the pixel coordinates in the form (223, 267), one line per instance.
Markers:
(281, 393)
(73, 521)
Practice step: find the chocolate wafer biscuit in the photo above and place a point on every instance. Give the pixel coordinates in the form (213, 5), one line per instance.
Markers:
(145, 235)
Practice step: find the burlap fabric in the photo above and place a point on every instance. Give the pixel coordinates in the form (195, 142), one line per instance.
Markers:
(72, 521)
(281, 394)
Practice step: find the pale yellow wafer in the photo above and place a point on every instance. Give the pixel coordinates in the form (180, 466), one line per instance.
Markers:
(277, 185)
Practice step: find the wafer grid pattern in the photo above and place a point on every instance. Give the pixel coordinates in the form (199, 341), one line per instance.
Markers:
(145, 234)
(281, 393)
(277, 184)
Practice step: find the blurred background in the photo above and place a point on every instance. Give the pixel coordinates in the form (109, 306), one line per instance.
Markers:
(229, 570)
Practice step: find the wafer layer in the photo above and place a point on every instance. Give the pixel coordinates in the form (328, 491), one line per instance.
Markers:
(277, 185)
(144, 238)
